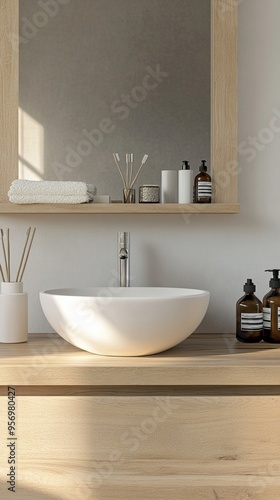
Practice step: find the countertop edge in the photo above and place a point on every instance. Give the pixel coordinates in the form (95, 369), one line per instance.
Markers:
(203, 360)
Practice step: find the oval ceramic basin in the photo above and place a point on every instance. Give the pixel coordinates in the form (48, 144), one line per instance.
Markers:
(124, 321)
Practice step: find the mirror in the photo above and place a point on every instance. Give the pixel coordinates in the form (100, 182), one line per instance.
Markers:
(105, 76)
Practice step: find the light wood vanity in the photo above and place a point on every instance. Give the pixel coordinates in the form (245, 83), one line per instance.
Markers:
(200, 421)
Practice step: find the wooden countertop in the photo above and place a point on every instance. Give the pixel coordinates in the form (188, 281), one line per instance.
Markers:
(201, 360)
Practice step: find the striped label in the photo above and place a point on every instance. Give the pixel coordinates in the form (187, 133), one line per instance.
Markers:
(251, 321)
(204, 189)
(267, 318)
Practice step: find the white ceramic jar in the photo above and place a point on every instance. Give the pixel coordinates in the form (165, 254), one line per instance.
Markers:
(13, 313)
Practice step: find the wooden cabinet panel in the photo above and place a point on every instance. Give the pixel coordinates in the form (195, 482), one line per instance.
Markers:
(87, 447)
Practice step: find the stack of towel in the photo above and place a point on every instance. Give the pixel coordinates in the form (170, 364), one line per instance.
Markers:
(25, 192)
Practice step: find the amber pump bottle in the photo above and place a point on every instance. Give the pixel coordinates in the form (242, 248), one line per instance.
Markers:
(271, 310)
(249, 317)
(202, 185)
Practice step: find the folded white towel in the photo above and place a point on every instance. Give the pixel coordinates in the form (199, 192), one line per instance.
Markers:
(25, 199)
(22, 186)
(24, 191)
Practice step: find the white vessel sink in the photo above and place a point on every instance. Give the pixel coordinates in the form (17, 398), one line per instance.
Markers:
(124, 321)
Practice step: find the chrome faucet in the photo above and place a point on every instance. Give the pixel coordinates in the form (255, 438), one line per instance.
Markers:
(123, 251)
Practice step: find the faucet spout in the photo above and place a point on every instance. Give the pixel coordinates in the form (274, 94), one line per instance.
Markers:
(124, 260)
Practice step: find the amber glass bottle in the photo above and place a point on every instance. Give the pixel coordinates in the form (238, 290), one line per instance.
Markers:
(249, 317)
(202, 185)
(271, 310)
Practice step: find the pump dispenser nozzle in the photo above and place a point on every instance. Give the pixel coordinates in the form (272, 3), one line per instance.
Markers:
(249, 286)
(275, 281)
(186, 165)
(203, 166)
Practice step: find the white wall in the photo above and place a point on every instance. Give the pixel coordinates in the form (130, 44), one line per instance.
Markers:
(217, 253)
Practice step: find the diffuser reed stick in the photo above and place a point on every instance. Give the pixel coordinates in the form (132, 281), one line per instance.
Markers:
(23, 253)
(129, 180)
(4, 252)
(28, 252)
(127, 157)
(9, 255)
(2, 274)
(6, 276)
(145, 157)
(131, 168)
(117, 160)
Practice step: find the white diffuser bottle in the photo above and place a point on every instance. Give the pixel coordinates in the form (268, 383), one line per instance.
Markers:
(13, 313)
(169, 186)
(185, 184)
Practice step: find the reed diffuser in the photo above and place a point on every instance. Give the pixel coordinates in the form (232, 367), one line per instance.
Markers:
(5, 270)
(13, 301)
(128, 177)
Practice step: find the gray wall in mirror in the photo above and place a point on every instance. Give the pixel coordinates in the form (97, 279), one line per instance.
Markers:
(134, 75)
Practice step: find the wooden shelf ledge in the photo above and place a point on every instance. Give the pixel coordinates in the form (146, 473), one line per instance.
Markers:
(121, 208)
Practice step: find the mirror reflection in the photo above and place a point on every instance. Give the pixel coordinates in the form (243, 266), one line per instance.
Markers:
(99, 77)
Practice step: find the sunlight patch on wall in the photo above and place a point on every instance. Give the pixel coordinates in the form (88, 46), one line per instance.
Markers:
(31, 147)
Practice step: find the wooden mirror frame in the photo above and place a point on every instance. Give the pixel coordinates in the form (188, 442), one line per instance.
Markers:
(224, 167)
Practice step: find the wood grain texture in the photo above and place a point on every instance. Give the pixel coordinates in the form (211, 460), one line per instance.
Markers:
(148, 447)
(121, 208)
(202, 360)
(8, 95)
(223, 126)
(224, 100)
(171, 442)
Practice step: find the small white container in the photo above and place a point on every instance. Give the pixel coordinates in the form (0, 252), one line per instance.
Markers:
(13, 313)
(104, 198)
(169, 186)
(185, 184)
